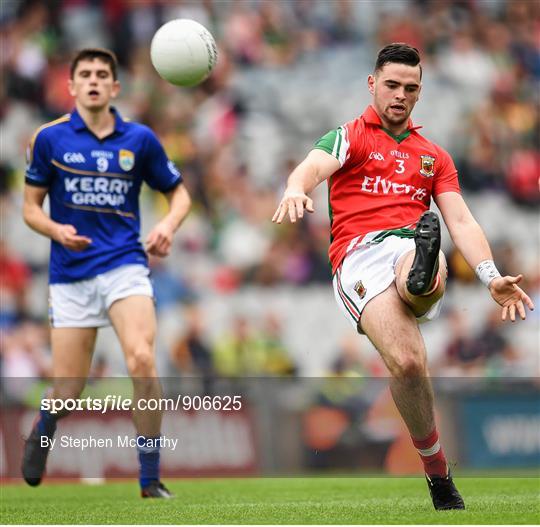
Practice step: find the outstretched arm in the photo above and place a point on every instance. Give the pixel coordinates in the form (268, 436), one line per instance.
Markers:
(36, 219)
(316, 167)
(159, 240)
(471, 241)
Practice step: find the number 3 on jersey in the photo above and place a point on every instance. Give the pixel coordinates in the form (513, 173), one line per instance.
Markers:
(401, 166)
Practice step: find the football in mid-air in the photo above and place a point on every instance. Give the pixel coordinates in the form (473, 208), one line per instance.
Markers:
(183, 52)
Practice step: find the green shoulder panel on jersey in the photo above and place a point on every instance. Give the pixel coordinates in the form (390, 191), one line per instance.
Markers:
(335, 143)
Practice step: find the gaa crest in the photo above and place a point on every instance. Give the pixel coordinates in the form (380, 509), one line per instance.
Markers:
(360, 289)
(427, 164)
(126, 160)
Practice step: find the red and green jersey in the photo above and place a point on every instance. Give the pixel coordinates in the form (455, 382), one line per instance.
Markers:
(384, 182)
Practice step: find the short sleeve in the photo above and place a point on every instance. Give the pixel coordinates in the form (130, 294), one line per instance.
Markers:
(335, 143)
(346, 143)
(39, 170)
(446, 178)
(160, 172)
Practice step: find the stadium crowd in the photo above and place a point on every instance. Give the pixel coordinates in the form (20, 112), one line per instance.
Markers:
(285, 75)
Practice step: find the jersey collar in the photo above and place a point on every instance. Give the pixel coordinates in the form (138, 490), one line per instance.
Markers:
(78, 124)
(370, 116)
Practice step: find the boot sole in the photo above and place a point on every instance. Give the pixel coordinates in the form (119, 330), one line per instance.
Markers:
(427, 237)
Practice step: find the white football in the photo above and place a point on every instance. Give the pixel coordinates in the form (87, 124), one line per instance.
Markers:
(183, 52)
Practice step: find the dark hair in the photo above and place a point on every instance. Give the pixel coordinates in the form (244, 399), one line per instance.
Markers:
(95, 53)
(400, 53)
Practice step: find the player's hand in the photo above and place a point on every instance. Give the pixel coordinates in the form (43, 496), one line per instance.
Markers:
(505, 292)
(67, 236)
(293, 202)
(159, 241)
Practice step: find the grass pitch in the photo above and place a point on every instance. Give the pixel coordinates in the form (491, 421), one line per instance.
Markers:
(274, 501)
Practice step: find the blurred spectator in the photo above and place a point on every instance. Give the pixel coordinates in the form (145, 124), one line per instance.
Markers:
(169, 289)
(24, 358)
(243, 34)
(458, 268)
(15, 279)
(494, 346)
(406, 28)
(353, 361)
(504, 253)
(24, 45)
(489, 353)
(191, 355)
(523, 177)
(461, 356)
(236, 353)
(278, 33)
(466, 65)
(275, 357)
(57, 99)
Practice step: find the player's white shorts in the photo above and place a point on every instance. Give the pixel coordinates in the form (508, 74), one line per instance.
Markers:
(368, 270)
(85, 304)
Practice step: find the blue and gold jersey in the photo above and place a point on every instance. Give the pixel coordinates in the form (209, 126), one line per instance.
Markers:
(94, 185)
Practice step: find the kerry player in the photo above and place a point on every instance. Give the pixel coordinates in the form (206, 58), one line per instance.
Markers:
(92, 164)
(388, 271)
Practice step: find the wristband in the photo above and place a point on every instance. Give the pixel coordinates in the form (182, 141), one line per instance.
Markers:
(486, 272)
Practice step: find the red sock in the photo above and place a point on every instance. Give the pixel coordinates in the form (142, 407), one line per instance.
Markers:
(431, 454)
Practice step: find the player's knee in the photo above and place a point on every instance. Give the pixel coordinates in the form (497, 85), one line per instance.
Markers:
(408, 365)
(141, 361)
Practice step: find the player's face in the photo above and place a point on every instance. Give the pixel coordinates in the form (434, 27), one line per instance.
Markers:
(93, 85)
(395, 89)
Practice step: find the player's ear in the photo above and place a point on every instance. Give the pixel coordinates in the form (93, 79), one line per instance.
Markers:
(418, 93)
(371, 84)
(116, 89)
(71, 88)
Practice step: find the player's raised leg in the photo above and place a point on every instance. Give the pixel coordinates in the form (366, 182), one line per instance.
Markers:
(134, 321)
(392, 328)
(72, 350)
(421, 274)
(420, 304)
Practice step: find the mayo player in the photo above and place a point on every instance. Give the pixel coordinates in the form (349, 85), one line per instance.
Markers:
(92, 164)
(388, 271)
